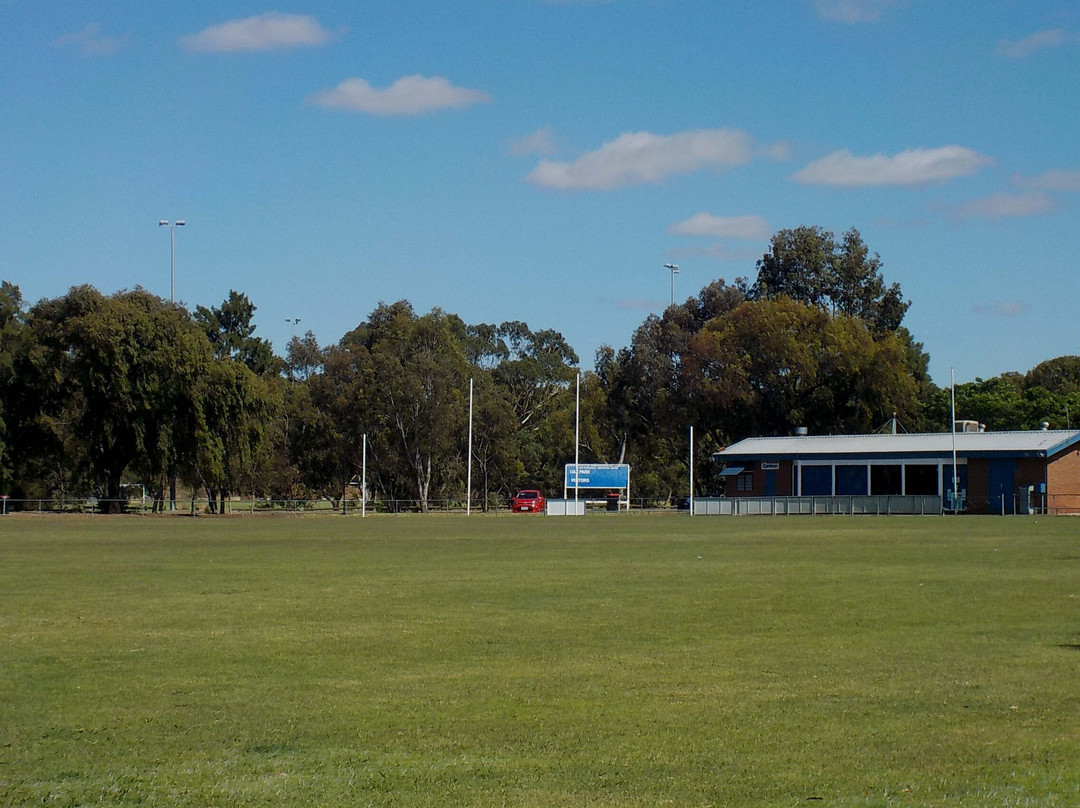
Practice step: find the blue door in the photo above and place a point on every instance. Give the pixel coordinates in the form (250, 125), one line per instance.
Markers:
(1002, 477)
(770, 483)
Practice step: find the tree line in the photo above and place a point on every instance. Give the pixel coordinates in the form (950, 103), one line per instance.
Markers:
(98, 391)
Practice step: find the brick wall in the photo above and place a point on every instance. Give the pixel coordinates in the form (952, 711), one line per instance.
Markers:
(978, 485)
(783, 480)
(1063, 482)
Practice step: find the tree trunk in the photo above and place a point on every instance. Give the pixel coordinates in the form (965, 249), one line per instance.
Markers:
(423, 482)
(159, 495)
(112, 502)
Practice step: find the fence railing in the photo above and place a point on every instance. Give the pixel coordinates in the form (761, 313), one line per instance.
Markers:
(198, 507)
(807, 506)
(301, 507)
(1059, 504)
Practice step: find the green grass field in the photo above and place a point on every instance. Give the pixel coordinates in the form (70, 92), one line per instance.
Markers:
(530, 661)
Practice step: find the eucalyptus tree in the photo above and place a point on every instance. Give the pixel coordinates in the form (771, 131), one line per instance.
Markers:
(1060, 375)
(231, 332)
(816, 340)
(1060, 379)
(237, 408)
(117, 383)
(303, 357)
(328, 413)
(647, 408)
(769, 366)
(496, 449)
(417, 399)
(535, 371)
(809, 265)
(12, 347)
(533, 380)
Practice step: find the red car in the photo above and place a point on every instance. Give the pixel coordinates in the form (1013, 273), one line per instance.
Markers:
(528, 501)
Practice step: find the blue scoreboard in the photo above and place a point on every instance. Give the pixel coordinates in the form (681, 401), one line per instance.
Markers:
(597, 475)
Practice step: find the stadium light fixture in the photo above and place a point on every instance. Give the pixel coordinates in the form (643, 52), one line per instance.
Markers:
(172, 253)
(674, 271)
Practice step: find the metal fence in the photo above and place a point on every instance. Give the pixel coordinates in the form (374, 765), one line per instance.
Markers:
(299, 507)
(1053, 504)
(92, 505)
(1064, 504)
(198, 507)
(790, 506)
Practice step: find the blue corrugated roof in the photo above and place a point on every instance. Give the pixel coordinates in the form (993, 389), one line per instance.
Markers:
(1036, 443)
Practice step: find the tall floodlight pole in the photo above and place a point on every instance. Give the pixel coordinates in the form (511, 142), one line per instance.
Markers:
(577, 441)
(468, 475)
(674, 271)
(172, 253)
(952, 375)
(172, 299)
(293, 322)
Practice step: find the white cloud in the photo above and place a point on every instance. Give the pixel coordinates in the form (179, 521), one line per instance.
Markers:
(852, 11)
(1040, 40)
(1006, 206)
(909, 167)
(1009, 308)
(270, 31)
(542, 141)
(409, 95)
(746, 228)
(1057, 180)
(780, 151)
(642, 157)
(89, 41)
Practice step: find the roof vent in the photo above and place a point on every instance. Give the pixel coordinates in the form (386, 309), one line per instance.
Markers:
(1045, 425)
(801, 431)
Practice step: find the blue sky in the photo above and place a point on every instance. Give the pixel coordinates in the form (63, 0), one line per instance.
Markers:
(541, 161)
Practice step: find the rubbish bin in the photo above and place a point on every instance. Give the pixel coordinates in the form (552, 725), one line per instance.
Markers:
(613, 501)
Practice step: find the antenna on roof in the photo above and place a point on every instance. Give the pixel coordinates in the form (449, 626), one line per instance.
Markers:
(891, 427)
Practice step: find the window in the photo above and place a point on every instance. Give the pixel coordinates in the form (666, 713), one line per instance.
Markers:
(885, 480)
(816, 481)
(851, 481)
(744, 482)
(921, 480)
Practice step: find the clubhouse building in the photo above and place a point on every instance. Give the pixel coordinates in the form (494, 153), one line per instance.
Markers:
(996, 472)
